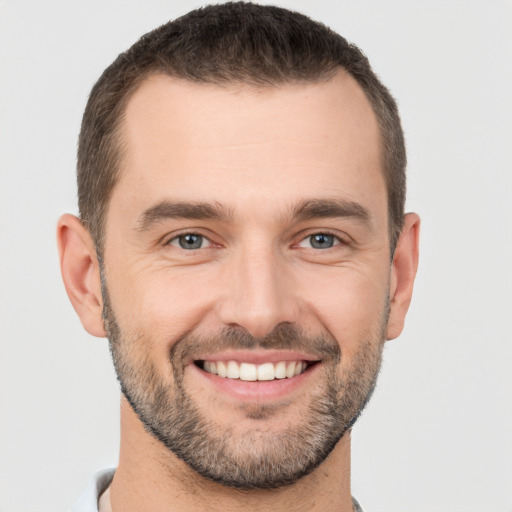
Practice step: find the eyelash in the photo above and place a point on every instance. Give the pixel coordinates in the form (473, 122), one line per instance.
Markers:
(336, 240)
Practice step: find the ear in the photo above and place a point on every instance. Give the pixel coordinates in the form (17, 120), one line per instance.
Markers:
(80, 272)
(403, 272)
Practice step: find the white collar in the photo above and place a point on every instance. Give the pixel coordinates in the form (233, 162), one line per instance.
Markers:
(88, 501)
(99, 484)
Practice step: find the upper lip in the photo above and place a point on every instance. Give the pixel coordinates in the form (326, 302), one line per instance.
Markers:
(256, 356)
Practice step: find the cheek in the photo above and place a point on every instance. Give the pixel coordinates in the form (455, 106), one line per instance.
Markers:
(350, 304)
(162, 305)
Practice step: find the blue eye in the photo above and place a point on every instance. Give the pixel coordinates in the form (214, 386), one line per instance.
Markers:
(189, 241)
(320, 241)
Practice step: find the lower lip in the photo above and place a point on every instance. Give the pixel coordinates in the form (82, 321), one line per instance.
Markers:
(257, 391)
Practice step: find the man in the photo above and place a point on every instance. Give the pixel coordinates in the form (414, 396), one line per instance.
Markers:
(242, 244)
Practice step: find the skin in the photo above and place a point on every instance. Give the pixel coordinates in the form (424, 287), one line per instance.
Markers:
(257, 153)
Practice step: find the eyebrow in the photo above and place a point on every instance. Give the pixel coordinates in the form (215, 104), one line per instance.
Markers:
(331, 208)
(182, 210)
(305, 210)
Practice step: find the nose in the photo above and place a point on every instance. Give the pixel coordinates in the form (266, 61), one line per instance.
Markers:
(259, 293)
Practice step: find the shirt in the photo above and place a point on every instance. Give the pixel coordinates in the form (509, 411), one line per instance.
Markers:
(88, 502)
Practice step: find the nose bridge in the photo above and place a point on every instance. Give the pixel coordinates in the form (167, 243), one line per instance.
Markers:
(258, 295)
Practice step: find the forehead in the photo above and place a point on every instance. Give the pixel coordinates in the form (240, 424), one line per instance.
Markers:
(232, 143)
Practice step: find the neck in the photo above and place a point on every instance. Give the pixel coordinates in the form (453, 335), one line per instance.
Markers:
(149, 477)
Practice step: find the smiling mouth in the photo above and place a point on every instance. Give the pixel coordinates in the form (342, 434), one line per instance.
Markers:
(255, 372)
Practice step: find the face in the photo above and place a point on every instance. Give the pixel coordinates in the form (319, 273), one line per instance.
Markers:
(246, 272)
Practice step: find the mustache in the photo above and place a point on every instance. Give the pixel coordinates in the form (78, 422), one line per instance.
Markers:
(283, 337)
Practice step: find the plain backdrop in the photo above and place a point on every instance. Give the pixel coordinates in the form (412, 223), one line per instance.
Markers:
(437, 435)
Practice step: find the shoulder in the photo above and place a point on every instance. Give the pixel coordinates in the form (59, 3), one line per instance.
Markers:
(357, 507)
(88, 501)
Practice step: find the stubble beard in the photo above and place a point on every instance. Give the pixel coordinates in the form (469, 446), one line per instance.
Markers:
(259, 458)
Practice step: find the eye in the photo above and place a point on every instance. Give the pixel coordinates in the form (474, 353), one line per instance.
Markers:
(320, 241)
(190, 241)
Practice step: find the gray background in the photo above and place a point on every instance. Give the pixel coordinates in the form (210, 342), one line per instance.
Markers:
(437, 435)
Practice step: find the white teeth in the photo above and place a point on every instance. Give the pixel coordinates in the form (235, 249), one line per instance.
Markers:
(221, 369)
(252, 372)
(233, 371)
(266, 371)
(248, 372)
(290, 369)
(280, 371)
(210, 367)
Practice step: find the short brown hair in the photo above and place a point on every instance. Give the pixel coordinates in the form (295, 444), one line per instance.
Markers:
(228, 43)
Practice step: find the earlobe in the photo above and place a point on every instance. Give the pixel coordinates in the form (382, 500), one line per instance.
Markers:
(403, 272)
(80, 272)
